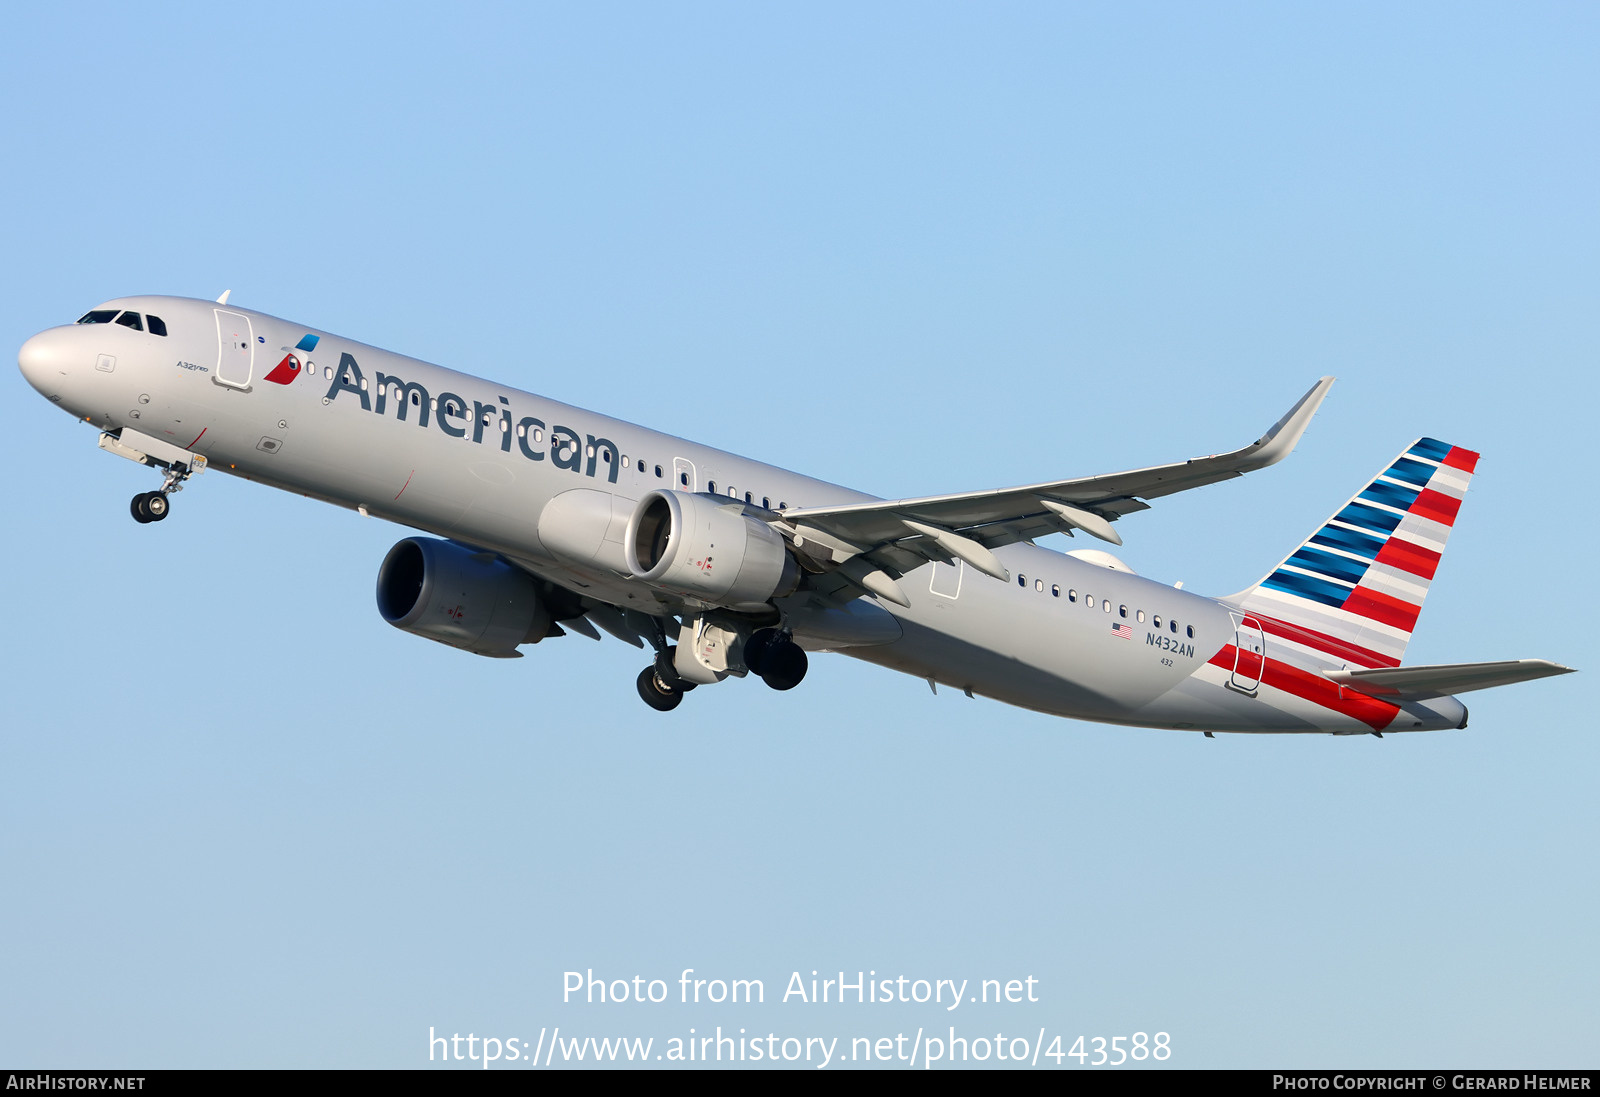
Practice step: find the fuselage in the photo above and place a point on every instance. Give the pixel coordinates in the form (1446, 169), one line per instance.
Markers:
(477, 462)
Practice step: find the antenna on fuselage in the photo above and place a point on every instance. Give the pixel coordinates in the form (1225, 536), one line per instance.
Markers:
(223, 300)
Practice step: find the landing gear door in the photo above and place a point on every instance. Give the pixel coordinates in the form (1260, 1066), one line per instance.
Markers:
(236, 350)
(1250, 654)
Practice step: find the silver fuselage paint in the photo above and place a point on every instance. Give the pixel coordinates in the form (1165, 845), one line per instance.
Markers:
(486, 477)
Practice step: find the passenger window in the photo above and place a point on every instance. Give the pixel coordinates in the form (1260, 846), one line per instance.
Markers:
(1072, 595)
(1022, 580)
(783, 506)
(1122, 611)
(1038, 585)
(748, 498)
(624, 460)
(1055, 590)
(1191, 631)
(131, 320)
(1172, 626)
(683, 478)
(157, 325)
(1140, 616)
(733, 492)
(98, 316)
(658, 472)
(1156, 620)
(766, 503)
(1106, 605)
(711, 486)
(1088, 601)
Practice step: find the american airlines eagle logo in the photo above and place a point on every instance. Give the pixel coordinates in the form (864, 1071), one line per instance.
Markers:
(287, 370)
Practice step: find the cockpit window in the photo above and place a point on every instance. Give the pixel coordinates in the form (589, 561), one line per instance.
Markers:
(131, 320)
(158, 326)
(98, 316)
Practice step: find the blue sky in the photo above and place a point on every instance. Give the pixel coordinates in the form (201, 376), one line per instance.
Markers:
(909, 248)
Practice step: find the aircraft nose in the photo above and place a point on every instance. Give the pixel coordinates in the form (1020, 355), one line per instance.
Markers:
(45, 360)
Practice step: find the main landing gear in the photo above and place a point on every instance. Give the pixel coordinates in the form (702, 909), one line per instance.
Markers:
(770, 654)
(660, 685)
(775, 658)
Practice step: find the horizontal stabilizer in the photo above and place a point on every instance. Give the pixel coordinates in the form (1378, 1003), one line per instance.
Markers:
(1423, 683)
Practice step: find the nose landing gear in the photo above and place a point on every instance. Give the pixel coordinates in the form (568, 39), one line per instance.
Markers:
(177, 465)
(153, 506)
(150, 506)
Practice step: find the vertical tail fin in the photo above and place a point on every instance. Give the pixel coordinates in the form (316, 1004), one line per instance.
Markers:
(1352, 592)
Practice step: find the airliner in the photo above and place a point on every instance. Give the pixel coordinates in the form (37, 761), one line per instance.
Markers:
(538, 520)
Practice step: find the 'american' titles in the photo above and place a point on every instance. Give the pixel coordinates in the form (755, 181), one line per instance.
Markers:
(567, 449)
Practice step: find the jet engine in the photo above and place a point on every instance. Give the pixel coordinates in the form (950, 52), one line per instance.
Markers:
(707, 550)
(470, 600)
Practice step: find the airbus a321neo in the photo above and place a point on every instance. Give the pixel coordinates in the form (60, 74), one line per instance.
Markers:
(550, 519)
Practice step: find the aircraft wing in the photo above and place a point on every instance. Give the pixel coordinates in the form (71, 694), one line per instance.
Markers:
(1422, 683)
(902, 534)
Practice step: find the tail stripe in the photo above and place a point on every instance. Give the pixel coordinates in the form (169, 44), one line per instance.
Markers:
(1275, 674)
(1391, 495)
(1400, 553)
(1306, 586)
(1422, 530)
(1451, 481)
(1360, 580)
(1382, 608)
(1323, 644)
(1436, 505)
(1349, 540)
(1433, 449)
(1412, 472)
(1378, 521)
(1395, 583)
(1330, 566)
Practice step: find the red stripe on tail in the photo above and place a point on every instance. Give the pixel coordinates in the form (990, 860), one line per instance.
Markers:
(1382, 608)
(1463, 459)
(1398, 553)
(1327, 645)
(1376, 714)
(1436, 505)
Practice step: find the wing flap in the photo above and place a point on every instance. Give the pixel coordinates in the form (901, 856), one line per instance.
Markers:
(1441, 680)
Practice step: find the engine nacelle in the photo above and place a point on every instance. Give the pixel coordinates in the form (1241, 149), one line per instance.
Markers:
(470, 600)
(707, 550)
